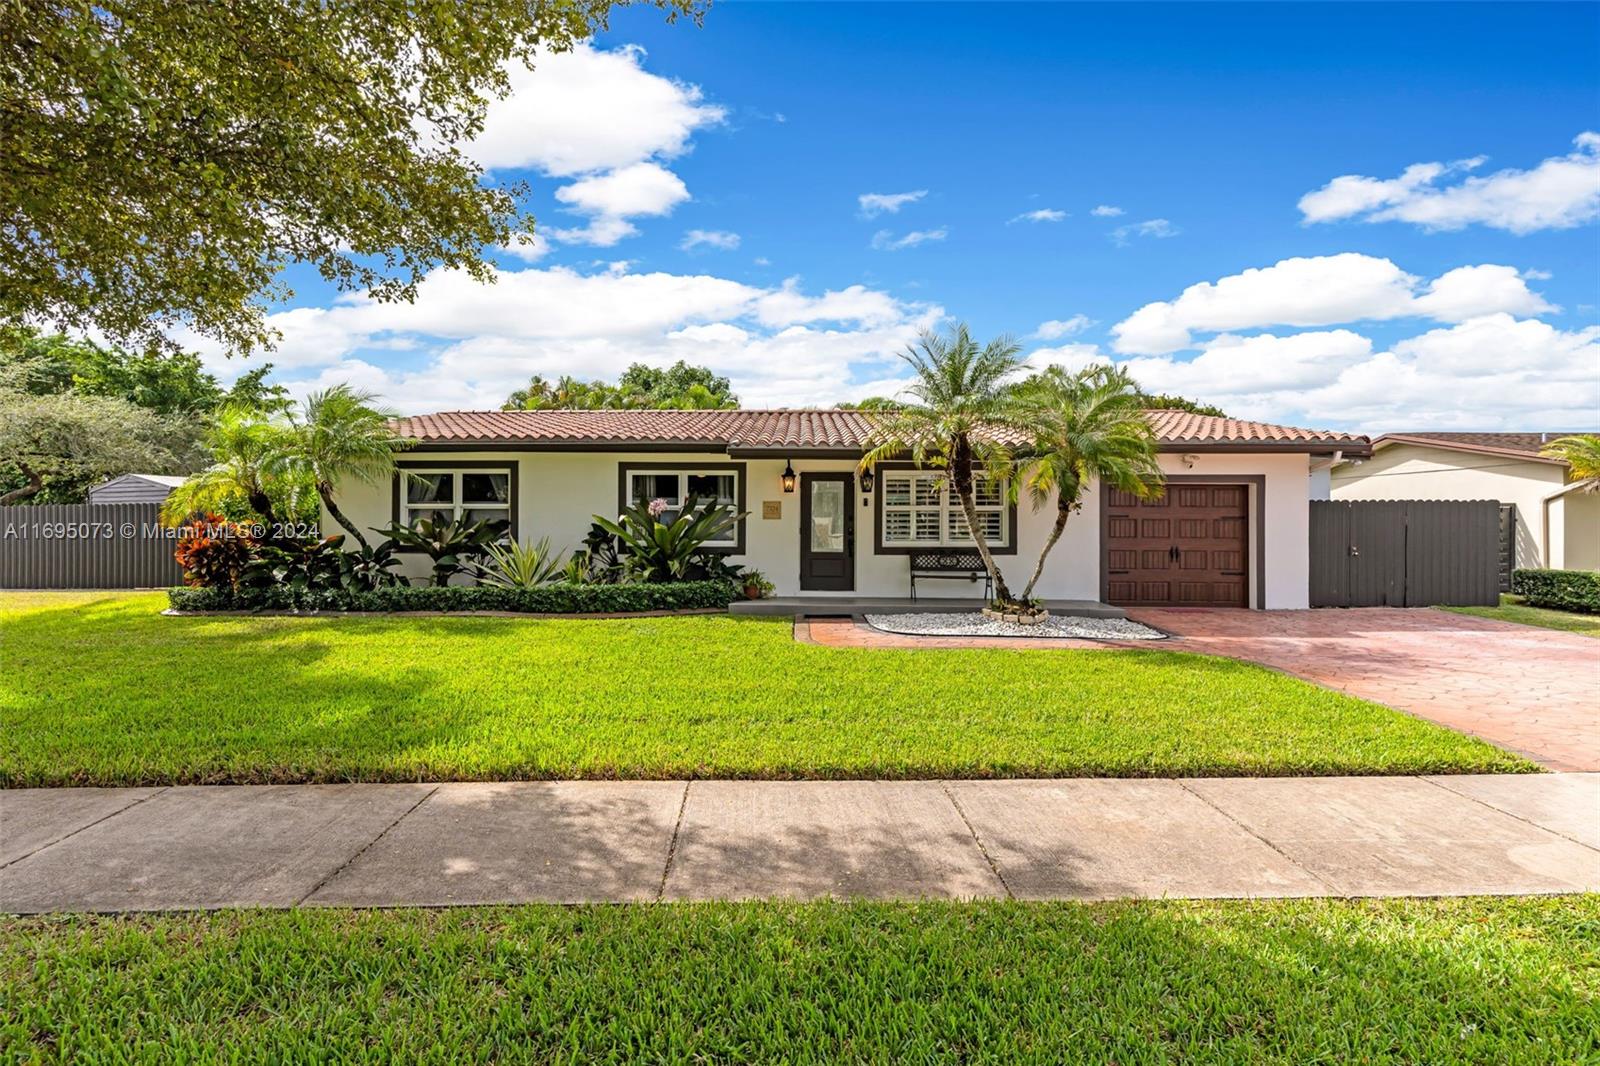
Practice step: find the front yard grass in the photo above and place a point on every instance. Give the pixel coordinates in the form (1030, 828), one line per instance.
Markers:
(1313, 981)
(1512, 609)
(102, 689)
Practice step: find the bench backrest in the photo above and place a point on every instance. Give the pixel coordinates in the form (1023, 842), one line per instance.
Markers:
(946, 561)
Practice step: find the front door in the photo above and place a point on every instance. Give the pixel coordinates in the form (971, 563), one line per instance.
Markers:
(827, 533)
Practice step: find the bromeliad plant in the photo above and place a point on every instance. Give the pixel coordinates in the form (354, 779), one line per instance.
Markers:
(453, 546)
(656, 551)
(303, 566)
(521, 566)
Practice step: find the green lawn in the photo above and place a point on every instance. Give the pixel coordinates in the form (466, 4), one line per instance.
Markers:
(103, 689)
(1512, 609)
(1434, 981)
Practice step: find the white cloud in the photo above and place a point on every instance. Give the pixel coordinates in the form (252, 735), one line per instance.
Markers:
(885, 240)
(1070, 357)
(1559, 193)
(1043, 214)
(721, 240)
(588, 110)
(1321, 291)
(1240, 367)
(1154, 227)
(1057, 328)
(610, 199)
(529, 247)
(1106, 211)
(473, 343)
(874, 204)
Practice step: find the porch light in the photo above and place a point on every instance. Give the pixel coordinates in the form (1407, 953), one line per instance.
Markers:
(788, 476)
(865, 478)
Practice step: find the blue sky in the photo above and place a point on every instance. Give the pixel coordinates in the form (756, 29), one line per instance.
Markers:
(700, 195)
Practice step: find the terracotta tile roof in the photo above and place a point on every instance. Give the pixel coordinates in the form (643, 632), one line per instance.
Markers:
(800, 430)
(1523, 444)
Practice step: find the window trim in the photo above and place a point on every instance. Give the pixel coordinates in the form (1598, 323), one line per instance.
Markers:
(740, 481)
(880, 548)
(397, 505)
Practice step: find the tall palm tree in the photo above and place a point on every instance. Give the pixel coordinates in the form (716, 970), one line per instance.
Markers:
(340, 435)
(1582, 456)
(959, 406)
(247, 447)
(1086, 426)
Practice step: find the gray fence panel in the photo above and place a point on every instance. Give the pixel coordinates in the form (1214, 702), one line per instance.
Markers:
(86, 546)
(1378, 553)
(1508, 544)
(1453, 553)
(1405, 553)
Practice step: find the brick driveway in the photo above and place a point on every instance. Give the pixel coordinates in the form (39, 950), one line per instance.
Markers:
(1534, 691)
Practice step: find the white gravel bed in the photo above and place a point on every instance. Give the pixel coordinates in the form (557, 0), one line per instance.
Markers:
(973, 624)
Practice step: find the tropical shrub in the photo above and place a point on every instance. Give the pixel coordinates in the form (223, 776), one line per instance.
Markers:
(369, 568)
(213, 551)
(561, 598)
(297, 564)
(655, 551)
(520, 566)
(453, 546)
(1566, 590)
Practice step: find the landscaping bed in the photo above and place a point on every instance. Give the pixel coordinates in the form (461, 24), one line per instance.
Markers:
(101, 689)
(1436, 981)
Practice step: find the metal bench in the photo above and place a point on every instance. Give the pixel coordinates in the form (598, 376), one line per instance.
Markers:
(958, 565)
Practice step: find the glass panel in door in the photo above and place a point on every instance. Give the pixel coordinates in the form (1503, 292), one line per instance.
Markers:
(827, 516)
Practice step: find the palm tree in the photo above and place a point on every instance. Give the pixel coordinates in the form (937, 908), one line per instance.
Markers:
(339, 435)
(247, 447)
(1086, 426)
(959, 404)
(1581, 453)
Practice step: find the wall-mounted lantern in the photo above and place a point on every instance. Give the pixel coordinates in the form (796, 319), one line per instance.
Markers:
(788, 476)
(865, 478)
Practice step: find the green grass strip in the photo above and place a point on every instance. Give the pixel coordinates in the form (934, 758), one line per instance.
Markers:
(102, 689)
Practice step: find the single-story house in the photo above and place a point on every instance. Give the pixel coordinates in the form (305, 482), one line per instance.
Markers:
(1231, 531)
(1556, 523)
(136, 488)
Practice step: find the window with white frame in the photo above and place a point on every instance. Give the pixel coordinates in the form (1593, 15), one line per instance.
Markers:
(471, 495)
(920, 509)
(674, 486)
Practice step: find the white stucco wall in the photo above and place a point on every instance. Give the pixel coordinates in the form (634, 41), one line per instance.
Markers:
(1418, 472)
(1575, 531)
(557, 493)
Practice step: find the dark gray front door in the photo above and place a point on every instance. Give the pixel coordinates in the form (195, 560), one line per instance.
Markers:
(827, 532)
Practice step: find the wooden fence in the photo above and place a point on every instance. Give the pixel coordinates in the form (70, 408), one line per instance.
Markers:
(1405, 553)
(86, 546)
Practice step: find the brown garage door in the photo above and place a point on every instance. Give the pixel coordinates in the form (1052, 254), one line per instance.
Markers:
(1186, 549)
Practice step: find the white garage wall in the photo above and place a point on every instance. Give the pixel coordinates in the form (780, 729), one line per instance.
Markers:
(558, 492)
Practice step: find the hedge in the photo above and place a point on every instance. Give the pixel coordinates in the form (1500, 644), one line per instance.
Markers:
(1567, 590)
(546, 599)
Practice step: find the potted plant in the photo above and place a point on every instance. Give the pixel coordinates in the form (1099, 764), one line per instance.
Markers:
(756, 585)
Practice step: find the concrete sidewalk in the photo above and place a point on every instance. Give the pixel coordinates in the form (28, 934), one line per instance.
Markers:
(582, 841)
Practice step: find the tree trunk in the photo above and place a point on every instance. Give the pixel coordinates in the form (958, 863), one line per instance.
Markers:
(961, 474)
(326, 492)
(34, 485)
(1063, 512)
(261, 504)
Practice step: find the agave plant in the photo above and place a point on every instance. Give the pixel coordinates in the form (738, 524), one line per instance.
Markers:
(521, 566)
(451, 545)
(658, 551)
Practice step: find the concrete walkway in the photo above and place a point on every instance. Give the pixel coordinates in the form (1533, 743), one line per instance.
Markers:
(582, 841)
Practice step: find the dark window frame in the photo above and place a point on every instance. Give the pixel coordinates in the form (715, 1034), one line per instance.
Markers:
(880, 548)
(741, 481)
(509, 467)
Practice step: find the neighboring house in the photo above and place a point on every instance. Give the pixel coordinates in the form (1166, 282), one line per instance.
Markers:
(136, 488)
(1556, 523)
(1232, 530)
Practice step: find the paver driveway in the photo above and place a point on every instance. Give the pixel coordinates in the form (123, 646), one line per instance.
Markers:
(1535, 691)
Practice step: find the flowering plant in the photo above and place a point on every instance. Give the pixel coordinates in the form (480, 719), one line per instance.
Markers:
(658, 507)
